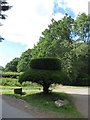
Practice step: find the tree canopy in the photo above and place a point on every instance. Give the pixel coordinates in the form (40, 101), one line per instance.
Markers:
(82, 27)
(12, 65)
(1, 68)
(53, 38)
(67, 39)
(24, 62)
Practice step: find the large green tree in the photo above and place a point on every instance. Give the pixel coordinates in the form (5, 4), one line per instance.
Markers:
(62, 40)
(1, 68)
(24, 62)
(12, 65)
(82, 27)
(55, 39)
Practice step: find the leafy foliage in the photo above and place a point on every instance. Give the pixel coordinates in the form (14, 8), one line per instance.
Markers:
(64, 39)
(43, 76)
(52, 38)
(24, 62)
(82, 27)
(1, 68)
(81, 65)
(12, 65)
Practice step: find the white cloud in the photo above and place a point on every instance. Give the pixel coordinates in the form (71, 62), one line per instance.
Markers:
(28, 18)
(76, 5)
(58, 16)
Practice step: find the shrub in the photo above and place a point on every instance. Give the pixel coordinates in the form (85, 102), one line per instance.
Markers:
(46, 63)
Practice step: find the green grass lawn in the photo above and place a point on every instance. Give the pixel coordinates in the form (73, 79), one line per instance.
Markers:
(45, 102)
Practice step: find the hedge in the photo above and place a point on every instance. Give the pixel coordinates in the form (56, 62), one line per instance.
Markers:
(10, 74)
(9, 82)
(46, 63)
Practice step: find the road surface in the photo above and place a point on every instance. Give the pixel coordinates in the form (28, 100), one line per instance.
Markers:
(9, 111)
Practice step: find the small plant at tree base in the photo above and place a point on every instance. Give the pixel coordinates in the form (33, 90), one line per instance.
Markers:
(45, 76)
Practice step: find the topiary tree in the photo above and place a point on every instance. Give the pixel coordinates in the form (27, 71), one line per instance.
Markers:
(45, 71)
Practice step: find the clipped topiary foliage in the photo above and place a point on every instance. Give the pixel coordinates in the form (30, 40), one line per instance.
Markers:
(46, 63)
(45, 71)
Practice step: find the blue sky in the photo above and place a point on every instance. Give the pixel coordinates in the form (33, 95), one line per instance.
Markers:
(10, 50)
(61, 9)
(26, 21)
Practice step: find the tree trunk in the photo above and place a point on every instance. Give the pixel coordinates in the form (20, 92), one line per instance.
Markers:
(46, 88)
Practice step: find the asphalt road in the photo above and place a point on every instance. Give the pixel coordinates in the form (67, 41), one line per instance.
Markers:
(9, 111)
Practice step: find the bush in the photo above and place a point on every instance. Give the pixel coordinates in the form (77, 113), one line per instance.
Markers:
(46, 63)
